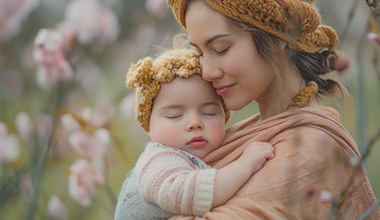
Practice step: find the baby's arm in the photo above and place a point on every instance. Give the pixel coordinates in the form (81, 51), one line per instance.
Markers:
(169, 179)
(230, 178)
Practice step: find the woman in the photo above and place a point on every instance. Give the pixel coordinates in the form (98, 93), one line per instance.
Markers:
(278, 54)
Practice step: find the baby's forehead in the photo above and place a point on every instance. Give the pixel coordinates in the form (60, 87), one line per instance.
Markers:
(191, 90)
(194, 84)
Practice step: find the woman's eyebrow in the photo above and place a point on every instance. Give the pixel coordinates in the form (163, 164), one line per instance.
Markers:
(210, 40)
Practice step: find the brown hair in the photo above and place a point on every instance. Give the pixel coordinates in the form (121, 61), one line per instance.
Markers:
(311, 66)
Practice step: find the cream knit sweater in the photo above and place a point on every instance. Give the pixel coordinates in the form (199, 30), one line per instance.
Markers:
(165, 181)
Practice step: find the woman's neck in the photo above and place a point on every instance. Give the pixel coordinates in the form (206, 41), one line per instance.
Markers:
(278, 98)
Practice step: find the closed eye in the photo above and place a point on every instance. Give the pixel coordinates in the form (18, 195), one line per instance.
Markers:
(223, 51)
(209, 113)
(211, 109)
(172, 116)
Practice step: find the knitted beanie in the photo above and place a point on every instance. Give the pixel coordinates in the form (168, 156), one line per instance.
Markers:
(148, 74)
(296, 21)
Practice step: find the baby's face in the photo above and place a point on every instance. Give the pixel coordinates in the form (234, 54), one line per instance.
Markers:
(188, 114)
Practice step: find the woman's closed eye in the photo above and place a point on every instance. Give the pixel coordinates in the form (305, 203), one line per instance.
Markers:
(222, 51)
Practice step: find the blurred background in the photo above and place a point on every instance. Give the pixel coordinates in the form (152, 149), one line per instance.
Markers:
(68, 136)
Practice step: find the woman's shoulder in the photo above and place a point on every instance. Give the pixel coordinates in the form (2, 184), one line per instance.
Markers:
(315, 127)
(307, 134)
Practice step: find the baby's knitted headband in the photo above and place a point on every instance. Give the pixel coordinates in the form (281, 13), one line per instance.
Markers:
(295, 21)
(148, 74)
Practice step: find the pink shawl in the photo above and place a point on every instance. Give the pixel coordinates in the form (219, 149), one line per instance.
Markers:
(313, 163)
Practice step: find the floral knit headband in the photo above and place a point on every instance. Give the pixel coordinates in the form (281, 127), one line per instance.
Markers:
(148, 74)
(295, 21)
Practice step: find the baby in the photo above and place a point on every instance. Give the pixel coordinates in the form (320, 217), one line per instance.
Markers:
(185, 120)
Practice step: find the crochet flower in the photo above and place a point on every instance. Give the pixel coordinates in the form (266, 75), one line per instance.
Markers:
(140, 73)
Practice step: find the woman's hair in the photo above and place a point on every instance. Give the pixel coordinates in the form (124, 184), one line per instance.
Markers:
(310, 46)
(311, 66)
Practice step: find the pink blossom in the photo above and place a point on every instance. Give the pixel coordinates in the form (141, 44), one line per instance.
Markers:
(9, 146)
(51, 41)
(99, 24)
(68, 34)
(326, 196)
(69, 123)
(374, 37)
(342, 64)
(108, 26)
(12, 13)
(90, 145)
(24, 125)
(99, 117)
(57, 208)
(310, 192)
(83, 181)
(156, 7)
(50, 58)
(353, 159)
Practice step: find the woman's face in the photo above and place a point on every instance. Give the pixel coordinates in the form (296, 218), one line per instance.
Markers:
(229, 57)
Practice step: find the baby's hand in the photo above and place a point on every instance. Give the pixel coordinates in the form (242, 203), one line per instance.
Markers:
(256, 154)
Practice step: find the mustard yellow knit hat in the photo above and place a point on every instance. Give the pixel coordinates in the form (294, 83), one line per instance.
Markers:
(148, 74)
(296, 21)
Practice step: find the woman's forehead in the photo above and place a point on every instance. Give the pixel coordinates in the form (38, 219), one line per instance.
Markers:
(203, 23)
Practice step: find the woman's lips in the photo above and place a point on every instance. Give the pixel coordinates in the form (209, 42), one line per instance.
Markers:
(197, 142)
(222, 90)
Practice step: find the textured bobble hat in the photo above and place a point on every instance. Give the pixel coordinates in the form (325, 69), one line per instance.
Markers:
(147, 75)
(296, 21)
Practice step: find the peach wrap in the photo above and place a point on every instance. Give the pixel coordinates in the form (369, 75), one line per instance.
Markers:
(311, 164)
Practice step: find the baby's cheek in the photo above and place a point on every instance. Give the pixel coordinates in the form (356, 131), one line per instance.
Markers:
(170, 136)
(217, 132)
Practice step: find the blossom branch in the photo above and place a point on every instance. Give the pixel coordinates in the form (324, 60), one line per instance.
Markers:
(350, 16)
(47, 145)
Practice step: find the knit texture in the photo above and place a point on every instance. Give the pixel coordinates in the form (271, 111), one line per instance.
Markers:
(169, 178)
(296, 21)
(164, 181)
(304, 97)
(147, 75)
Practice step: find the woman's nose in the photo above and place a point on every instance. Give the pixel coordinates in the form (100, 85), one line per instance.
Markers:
(210, 70)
